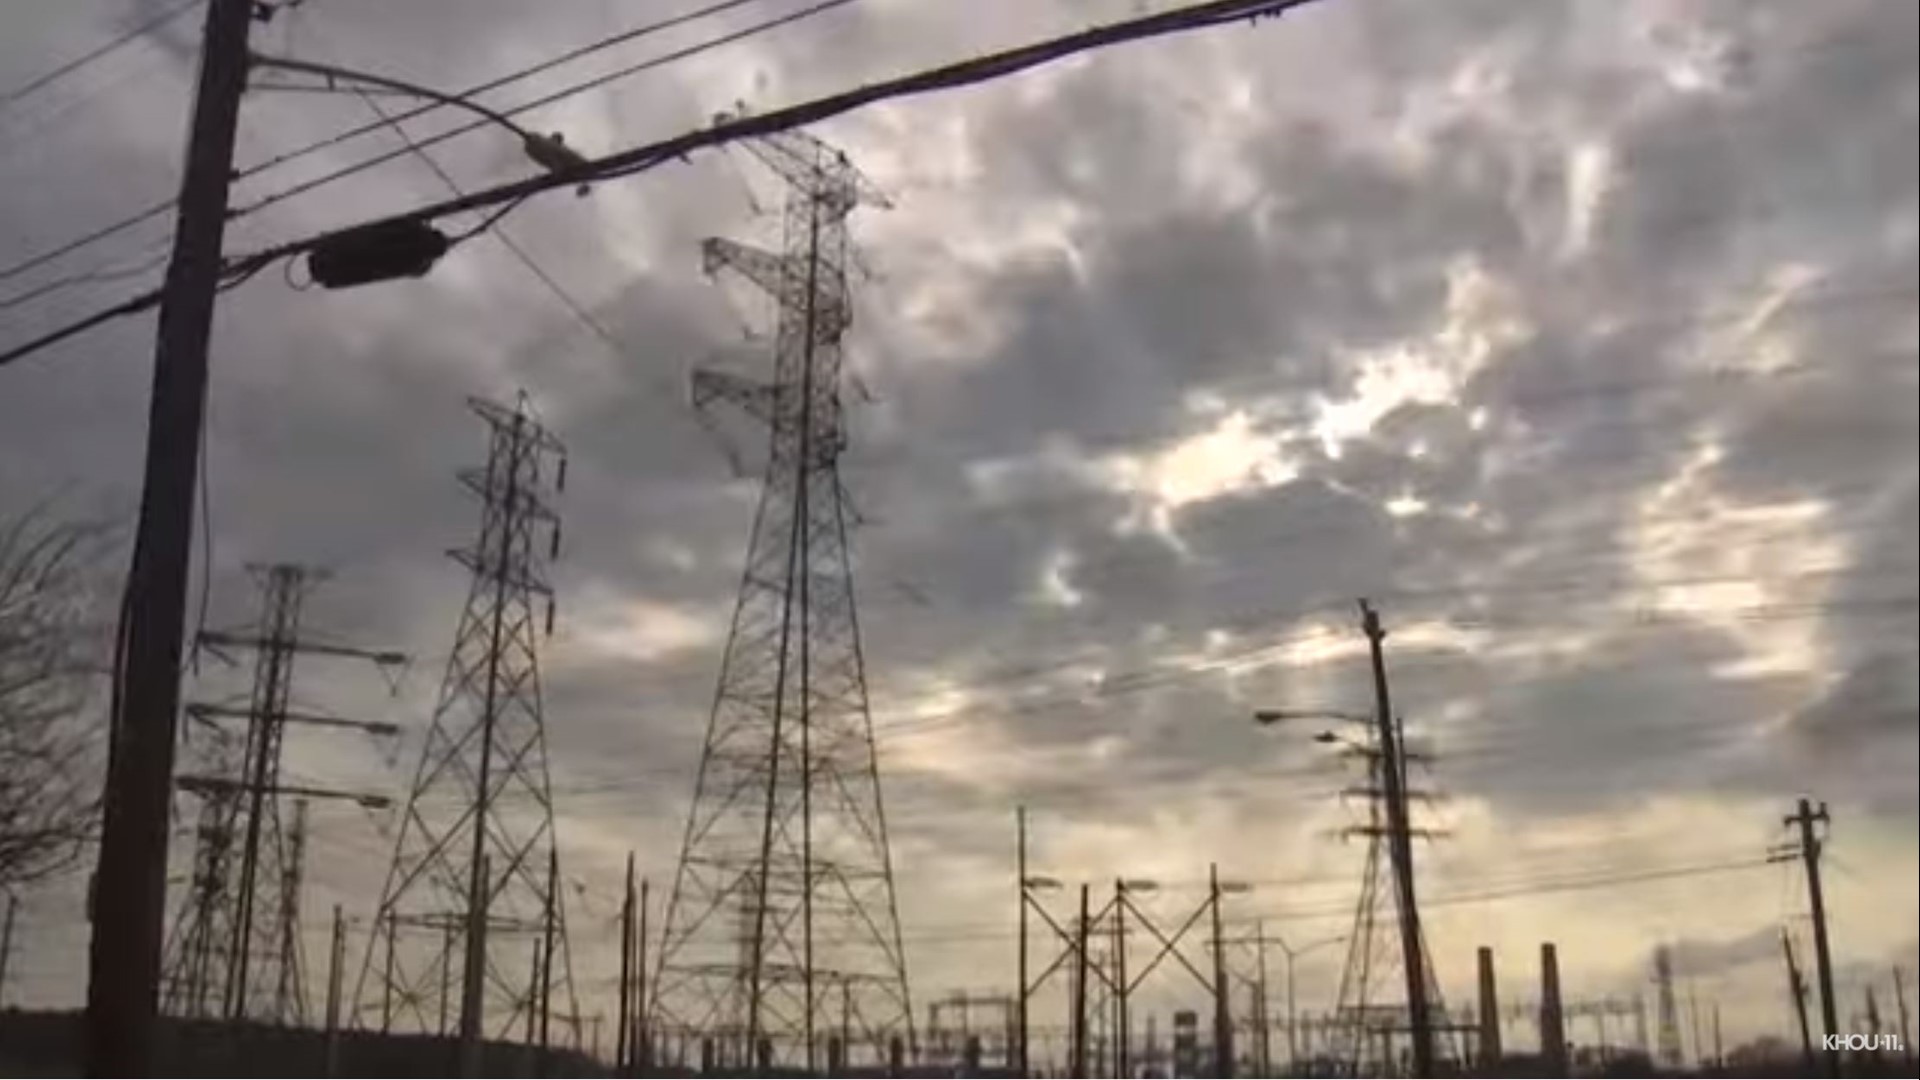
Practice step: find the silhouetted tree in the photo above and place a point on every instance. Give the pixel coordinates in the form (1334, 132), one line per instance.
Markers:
(50, 738)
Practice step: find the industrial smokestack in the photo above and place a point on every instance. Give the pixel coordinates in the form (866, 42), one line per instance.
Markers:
(1553, 1029)
(1489, 1011)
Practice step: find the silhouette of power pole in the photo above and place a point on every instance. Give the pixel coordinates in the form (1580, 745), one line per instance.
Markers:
(1805, 818)
(1671, 1054)
(1079, 1056)
(1020, 1058)
(1797, 989)
(1899, 1002)
(242, 909)
(468, 887)
(336, 958)
(623, 1015)
(1388, 867)
(1222, 1009)
(128, 893)
(13, 906)
(787, 830)
(1393, 775)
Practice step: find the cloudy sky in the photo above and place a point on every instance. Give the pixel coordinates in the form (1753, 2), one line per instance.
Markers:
(1580, 335)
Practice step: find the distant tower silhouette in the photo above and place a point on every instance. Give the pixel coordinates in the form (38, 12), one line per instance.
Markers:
(1370, 1019)
(476, 840)
(784, 893)
(194, 980)
(1671, 1054)
(235, 948)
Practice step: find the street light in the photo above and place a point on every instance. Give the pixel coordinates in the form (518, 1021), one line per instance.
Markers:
(1040, 882)
(385, 251)
(1274, 716)
(550, 152)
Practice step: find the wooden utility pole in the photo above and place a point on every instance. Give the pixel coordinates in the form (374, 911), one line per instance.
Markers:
(623, 1020)
(336, 952)
(6, 944)
(1222, 1008)
(1020, 1021)
(1260, 1012)
(1400, 847)
(129, 886)
(1120, 1009)
(1900, 1004)
(1797, 988)
(642, 1029)
(1719, 1049)
(1805, 817)
(1079, 1053)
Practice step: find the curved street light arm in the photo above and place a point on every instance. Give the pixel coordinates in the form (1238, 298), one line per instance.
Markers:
(550, 152)
(332, 72)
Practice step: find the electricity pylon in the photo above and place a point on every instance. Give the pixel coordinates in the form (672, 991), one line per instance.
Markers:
(1369, 1023)
(469, 898)
(235, 948)
(782, 930)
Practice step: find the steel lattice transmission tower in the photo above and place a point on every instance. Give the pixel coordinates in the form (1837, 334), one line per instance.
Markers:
(235, 948)
(1371, 1017)
(782, 937)
(470, 914)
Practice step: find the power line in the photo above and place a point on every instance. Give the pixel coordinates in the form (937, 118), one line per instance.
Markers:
(579, 52)
(31, 86)
(156, 209)
(88, 277)
(973, 71)
(639, 159)
(578, 88)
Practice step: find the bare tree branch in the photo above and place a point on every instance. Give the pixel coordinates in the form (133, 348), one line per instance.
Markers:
(51, 734)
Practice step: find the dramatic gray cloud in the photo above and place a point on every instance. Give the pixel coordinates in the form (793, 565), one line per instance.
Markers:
(1579, 334)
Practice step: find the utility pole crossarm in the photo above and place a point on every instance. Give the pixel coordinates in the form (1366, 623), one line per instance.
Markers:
(1364, 792)
(780, 276)
(756, 399)
(218, 785)
(527, 504)
(205, 712)
(514, 579)
(229, 639)
(790, 279)
(1387, 831)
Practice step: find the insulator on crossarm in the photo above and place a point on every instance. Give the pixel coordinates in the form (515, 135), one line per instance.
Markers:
(560, 478)
(553, 545)
(549, 616)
